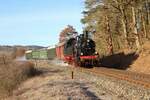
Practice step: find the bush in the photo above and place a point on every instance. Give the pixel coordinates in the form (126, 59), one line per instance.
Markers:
(12, 74)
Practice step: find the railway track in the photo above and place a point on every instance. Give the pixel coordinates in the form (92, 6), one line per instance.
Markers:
(131, 77)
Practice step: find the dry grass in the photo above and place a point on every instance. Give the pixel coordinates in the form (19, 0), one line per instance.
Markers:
(12, 73)
(54, 83)
(142, 64)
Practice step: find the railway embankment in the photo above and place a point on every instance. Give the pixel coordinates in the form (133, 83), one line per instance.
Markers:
(142, 64)
(113, 83)
(55, 82)
(129, 60)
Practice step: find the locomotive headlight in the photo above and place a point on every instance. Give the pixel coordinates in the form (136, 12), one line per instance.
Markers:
(81, 53)
(88, 40)
(96, 53)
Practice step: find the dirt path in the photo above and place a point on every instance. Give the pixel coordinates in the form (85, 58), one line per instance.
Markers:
(55, 83)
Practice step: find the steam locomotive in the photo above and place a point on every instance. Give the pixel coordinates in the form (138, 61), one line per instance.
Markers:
(80, 51)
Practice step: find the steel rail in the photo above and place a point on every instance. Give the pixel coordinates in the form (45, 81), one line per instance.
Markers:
(131, 77)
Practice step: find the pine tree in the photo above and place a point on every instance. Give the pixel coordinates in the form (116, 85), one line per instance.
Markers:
(118, 24)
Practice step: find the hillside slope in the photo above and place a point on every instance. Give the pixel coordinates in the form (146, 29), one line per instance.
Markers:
(142, 64)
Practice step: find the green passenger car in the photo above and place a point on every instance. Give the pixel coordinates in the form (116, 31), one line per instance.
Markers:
(42, 54)
(39, 54)
(51, 53)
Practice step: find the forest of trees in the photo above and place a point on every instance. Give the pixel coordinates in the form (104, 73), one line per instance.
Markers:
(118, 25)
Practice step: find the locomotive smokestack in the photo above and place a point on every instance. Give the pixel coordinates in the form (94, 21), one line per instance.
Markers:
(86, 35)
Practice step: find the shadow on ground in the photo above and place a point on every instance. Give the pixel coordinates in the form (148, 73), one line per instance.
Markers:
(118, 61)
(89, 93)
(42, 71)
(71, 89)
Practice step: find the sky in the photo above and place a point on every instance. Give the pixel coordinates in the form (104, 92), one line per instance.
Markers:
(37, 22)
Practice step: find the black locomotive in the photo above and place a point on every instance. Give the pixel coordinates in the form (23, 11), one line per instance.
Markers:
(81, 51)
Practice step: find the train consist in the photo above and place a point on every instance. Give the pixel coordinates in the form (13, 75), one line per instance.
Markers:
(78, 50)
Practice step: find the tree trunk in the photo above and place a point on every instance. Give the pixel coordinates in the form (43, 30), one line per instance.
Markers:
(135, 28)
(123, 21)
(143, 26)
(110, 40)
(124, 30)
(147, 12)
(124, 25)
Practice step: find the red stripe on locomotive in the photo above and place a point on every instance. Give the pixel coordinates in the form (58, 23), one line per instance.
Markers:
(88, 57)
(69, 58)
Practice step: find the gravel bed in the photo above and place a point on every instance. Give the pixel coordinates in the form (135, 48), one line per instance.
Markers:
(120, 88)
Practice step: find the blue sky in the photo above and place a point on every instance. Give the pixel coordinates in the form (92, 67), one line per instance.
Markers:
(37, 22)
